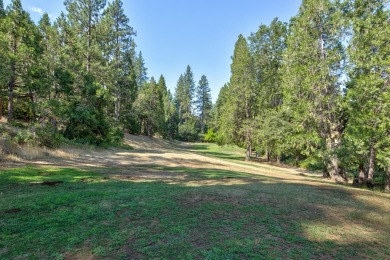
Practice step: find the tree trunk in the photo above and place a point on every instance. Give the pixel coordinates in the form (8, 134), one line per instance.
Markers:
(371, 164)
(387, 181)
(267, 155)
(361, 173)
(117, 107)
(333, 169)
(278, 160)
(11, 84)
(1, 106)
(33, 112)
(248, 156)
(11, 99)
(89, 41)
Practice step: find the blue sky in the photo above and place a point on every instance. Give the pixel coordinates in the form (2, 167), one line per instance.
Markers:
(201, 33)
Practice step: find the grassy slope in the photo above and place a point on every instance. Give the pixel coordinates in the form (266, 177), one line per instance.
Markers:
(214, 214)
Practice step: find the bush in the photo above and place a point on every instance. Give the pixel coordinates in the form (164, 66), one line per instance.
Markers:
(87, 125)
(312, 163)
(115, 136)
(8, 147)
(188, 132)
(48, 137)
(210, 136)
(24, 137)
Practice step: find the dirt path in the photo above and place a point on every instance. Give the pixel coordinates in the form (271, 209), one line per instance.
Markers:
(152, 158)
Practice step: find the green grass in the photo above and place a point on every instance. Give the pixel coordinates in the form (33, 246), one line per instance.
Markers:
(222, 152)
(259, 217)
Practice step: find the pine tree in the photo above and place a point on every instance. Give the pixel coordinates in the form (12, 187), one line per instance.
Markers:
(118, 47)
(239, 113)
(162, 87)
(189, 89)
(217, 111)
(311, 82)
(140, 70)
(369, 90)
(171, 116)
(179, 97)
(184, 95)
(149, 109)
(267, 46)
(48, 89)
(3, 57)
(203, 102)
(2, 10)
(85, 17)
(20, 50)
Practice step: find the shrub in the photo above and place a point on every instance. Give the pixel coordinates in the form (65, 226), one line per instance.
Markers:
(87, 125)
(188, 132)
(210, 136)
(24, 137)
(115, 136)
(48, 137)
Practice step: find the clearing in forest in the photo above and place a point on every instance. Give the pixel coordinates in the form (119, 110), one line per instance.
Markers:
(181, 200)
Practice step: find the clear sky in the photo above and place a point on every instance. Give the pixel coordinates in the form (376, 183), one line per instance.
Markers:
(175, 33)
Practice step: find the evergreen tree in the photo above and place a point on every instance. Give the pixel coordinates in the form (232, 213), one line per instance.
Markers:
(240, 111)
(2, 10)
(189, 89)
(162, 87)
(171, 117)
(203, 102)
(162, 99)
(179, 97)
(140, 70)
(47, 88)
(267, 46)
(19, 51)
(3, 57)
(184, 95)
(118, 48)
(311, 82)
(85, 17)
(217, 111)
(369, 90)
(149, 109)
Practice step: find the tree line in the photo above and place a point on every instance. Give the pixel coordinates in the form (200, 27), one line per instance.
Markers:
(81, 78)
(314, 92)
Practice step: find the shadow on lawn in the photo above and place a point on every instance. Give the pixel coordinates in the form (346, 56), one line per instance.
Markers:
(118, 219)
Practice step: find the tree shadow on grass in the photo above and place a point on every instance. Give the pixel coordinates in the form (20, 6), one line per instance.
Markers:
(259, 219)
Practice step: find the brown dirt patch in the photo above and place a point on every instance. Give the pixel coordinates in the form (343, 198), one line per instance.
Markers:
(82, 254)
(10, 211)
(51, 183)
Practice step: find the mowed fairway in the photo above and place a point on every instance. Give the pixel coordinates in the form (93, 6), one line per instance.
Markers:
(185, 201)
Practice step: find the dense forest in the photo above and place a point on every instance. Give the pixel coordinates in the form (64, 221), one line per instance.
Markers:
(313, 92)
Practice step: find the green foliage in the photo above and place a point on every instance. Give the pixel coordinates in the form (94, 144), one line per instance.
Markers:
(115, 136)
(210, 136)
(149, 108)
(368, 91)
(24, 136)
(188, 131)
(184, 95)
(48, 136)
(86, 124)
(203, 102)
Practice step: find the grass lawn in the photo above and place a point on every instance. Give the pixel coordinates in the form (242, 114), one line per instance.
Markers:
(229, 152)
(48, 213)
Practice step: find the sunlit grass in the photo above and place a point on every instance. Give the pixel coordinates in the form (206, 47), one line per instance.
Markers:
(92, 214)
